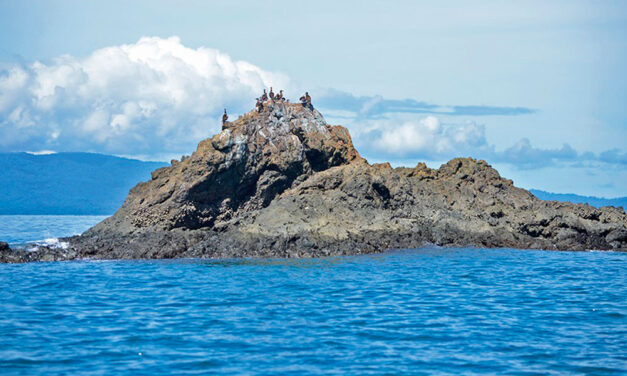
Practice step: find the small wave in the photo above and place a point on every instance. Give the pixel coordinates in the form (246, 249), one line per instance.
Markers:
(52, 243)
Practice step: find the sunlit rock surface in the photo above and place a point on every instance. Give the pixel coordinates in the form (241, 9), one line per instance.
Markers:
(284, 183)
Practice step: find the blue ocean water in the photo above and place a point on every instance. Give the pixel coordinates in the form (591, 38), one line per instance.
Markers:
(19, 229)
(425, 311)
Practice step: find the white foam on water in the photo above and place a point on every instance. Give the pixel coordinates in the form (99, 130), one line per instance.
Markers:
(52, 243)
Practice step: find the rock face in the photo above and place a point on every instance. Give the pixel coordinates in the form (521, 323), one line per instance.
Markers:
(283, 183)
(240, 170)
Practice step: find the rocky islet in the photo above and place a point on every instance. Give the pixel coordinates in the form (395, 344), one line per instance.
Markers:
(281, 182)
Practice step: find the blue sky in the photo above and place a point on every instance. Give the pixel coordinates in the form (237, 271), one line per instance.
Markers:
(536, 88)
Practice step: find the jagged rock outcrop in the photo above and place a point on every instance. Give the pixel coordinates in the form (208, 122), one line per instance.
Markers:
(240, 170)
(283, 183)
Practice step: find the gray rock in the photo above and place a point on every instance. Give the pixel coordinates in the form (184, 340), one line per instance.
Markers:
(283, 183)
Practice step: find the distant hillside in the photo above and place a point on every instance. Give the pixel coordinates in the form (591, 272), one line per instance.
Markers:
(86, 183)
(68, 183)
(569, 197)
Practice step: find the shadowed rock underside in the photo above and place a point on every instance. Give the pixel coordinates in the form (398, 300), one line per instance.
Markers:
(283, 183)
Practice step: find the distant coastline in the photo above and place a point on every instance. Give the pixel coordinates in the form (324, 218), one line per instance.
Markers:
(68, 183)
(96, 184)
(597, 202)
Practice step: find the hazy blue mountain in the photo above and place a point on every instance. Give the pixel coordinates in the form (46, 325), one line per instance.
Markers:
(569, 197)
(68, 183)
(86, 183)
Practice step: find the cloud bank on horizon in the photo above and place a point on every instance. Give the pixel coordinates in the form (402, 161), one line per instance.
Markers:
(157, 98)
(433, 140)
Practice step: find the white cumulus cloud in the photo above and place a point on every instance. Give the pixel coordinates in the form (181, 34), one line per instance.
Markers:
(406, 138)
(154, 97)
(157, 98)
(425, 138)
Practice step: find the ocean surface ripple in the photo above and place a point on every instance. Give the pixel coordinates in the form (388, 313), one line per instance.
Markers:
(18, 230)
(425, 311)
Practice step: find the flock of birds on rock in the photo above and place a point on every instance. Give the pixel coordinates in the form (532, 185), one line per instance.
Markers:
(305, 100)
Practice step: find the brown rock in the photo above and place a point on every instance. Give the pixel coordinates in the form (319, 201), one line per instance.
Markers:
(283, 183)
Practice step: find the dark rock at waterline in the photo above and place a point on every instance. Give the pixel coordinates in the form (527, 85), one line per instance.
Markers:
(35, 253)
(284, 183)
